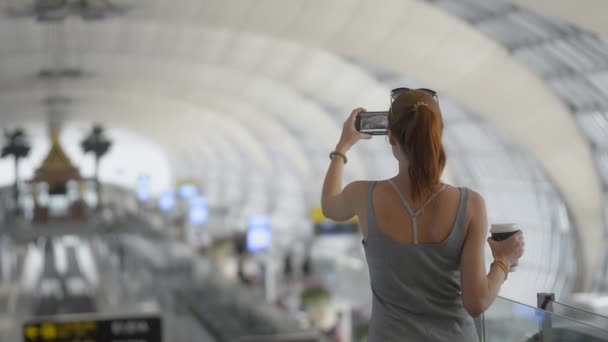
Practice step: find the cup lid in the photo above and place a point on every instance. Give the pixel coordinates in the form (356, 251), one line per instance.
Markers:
(503, 227)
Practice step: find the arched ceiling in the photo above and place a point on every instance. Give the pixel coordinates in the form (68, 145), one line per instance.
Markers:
(275, 68)
(588, 14)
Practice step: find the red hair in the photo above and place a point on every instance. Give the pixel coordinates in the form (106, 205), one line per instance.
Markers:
(415, 121)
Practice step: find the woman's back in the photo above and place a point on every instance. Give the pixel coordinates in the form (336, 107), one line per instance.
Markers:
(416, 286)
(415, 265)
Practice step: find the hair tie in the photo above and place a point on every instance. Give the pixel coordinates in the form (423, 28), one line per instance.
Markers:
(420, 103)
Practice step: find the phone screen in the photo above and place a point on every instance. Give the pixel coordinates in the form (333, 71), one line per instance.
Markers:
(375, 123)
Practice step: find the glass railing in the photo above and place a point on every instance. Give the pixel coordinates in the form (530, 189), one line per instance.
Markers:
(580, 315)
(299, 337)
(507, 320)
(560, 328)
(510, 321)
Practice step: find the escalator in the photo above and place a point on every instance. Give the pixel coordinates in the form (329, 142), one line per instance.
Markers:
(50, 293)
(79, 294)
(59, 293)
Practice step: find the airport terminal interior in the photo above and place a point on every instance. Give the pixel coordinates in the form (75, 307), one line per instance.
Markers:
(163, 161)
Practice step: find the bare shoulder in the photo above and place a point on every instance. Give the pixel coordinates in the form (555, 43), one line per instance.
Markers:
(476, 212)
(355, 194)
(476, 201)
(356, 188)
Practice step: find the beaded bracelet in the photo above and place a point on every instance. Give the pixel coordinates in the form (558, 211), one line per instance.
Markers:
(336, 153)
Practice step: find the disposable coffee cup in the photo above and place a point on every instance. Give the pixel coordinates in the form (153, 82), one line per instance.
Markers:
(502, 231)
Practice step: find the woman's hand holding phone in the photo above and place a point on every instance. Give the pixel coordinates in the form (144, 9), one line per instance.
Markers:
(350, 136)
(373, 123)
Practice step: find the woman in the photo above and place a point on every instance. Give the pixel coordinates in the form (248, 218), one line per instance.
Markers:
(424, 240)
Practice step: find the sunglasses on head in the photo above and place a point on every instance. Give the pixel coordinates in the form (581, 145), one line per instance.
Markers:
(398, 91)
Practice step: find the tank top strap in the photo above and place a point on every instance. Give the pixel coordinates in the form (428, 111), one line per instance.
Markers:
(404, 202)
(371, 216)
(431, 198)
(414, 214)
(461, 216)
(370, 191)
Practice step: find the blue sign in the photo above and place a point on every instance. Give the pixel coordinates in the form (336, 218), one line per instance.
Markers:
(199, 211)
(143, 188)
(166, 202)
(259, 234)
(528, 313)
(187, 191)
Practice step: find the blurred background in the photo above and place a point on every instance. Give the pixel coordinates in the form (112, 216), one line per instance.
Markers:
(162, 161)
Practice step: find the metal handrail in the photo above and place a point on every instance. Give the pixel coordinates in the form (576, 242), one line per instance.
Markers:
(581, 310)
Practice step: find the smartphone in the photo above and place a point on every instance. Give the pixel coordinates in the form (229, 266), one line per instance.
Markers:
(374, 123)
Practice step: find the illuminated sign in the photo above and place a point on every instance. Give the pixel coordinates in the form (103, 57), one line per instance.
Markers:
(259, 234)
(141, 329)
(166, 201)
(187, 191)
(143, 188)
(199, 211)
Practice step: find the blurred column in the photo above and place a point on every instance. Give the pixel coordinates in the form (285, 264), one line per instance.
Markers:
(344, 328)
(270, 278)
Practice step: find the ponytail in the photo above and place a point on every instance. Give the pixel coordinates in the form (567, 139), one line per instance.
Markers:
(421, 142)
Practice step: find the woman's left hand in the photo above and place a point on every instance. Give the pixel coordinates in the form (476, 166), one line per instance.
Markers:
(350, 136)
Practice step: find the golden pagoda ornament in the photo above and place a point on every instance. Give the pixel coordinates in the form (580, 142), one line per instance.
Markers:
(56, 172)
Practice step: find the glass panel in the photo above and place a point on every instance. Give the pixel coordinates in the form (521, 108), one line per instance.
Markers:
(465, 12)
(581, 315)
(493, 28)
(600, 80)
(553, 64)
(494, 7)
(602, 161)
(595, 125)
(605, 203)
(570, 330)
(586, 46)
(507, 320)
(530, 23)
(575, 92)
(522, 35)
(535, 60)
(597, 46)
(575, 59)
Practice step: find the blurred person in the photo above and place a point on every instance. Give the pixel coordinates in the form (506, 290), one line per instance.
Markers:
(249, 269)
(423, 239)
(288, 266)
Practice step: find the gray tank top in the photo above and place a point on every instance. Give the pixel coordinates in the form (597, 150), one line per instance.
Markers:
(416, 287)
